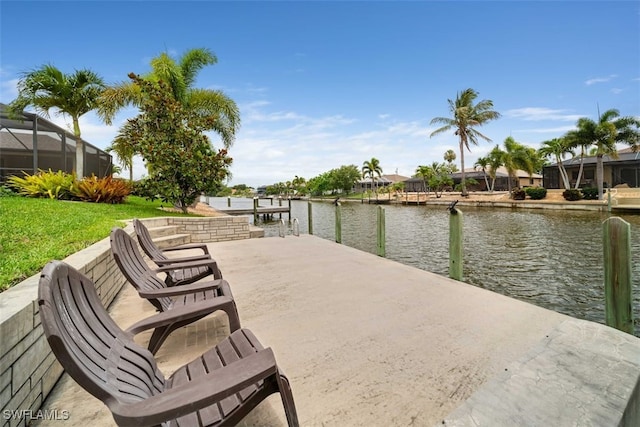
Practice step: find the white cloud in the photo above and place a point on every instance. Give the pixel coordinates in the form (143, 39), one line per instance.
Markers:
(541, 113)
(600, 79)
(616, 90)
(277, 145)
(8, 89)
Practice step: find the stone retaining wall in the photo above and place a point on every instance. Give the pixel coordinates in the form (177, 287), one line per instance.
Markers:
(28, 368)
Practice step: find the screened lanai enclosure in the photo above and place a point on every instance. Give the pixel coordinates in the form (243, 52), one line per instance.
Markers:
(30, 143)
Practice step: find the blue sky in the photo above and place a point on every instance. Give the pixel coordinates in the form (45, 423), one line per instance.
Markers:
(324, 84)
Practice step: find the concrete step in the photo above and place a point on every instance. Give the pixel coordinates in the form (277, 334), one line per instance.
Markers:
(255, 232)
(172, 240)
(162, 231)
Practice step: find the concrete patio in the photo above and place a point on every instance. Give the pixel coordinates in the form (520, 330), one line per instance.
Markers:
(366, 341)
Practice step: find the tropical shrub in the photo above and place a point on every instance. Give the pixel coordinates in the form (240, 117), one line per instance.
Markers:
(143, 188)
(468, 182)
(55, 185)
(590, 193)
(536, 193)
(518, 194)
(6, 191)
(101, 190)
(572, 194)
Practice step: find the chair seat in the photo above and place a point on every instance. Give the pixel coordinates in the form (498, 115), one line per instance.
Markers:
(198, 297)
(238, 345)
(189, 275)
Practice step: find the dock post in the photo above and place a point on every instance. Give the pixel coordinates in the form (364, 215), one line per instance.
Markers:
(338, 222)
(280, 204)
(310, 216)
(255, 210)
(228, 201)
(289, 208)
(455, 243)
(617, 274)
(380, 234)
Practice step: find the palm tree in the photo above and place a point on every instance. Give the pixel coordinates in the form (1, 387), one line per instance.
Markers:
(74, 94)
(180, 76)
(516, 156)
(425, 173)
(609, 130)
(557, 148)
(496, 157)
(449, 157)
(465, 117)
(371, 169)
(123, 148)
(483, 163)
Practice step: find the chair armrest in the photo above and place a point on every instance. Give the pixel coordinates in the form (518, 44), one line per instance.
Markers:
(178, 314)
(180, 290)
(182, 259)
(200, 246)
(196, 394)
(184, 265)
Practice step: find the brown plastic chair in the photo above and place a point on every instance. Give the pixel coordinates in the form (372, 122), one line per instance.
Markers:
(218, 388)
(178, 305)
(200, 265)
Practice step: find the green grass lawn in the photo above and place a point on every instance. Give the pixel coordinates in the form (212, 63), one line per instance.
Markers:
(36, 231)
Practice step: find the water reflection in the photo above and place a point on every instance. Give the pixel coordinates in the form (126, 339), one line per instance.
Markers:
(550, 258)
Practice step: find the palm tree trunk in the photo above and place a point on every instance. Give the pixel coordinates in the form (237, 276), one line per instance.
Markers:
(462, 183)
(486, 181)
(581, 169)
(79, 149)
(600, 176)
(564, 175)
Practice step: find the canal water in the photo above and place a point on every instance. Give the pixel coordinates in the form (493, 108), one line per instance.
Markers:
(551, 258)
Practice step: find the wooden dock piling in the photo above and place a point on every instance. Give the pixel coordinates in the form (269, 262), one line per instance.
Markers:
(455, 244)
(380, 232)
(617, 274)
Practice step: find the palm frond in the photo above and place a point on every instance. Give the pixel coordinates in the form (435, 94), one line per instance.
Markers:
(166, 69)
(115, 98)
(192, 61)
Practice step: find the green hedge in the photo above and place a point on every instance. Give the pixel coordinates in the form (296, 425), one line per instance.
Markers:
(536, 193)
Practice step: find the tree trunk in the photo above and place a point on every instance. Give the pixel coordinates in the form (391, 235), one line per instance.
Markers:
(564, 175)
(486, 181)
(600, 176)
(462, 183)
(580, 170)
(79, 149)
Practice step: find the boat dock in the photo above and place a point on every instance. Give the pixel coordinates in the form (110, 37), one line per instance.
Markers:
(366, 341)
(262, 210)
(267, 212)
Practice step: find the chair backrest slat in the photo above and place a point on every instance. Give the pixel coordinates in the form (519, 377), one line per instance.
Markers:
(146, 241)
(132, 264)
(91, 347)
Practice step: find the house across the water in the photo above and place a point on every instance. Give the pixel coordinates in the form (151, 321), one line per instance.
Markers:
(625, 169)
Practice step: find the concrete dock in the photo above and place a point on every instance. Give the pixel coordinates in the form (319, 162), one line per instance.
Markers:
(366, 341)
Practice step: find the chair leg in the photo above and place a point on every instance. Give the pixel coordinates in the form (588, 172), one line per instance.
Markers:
(287, 400)
(234, 319)
(158, 337)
